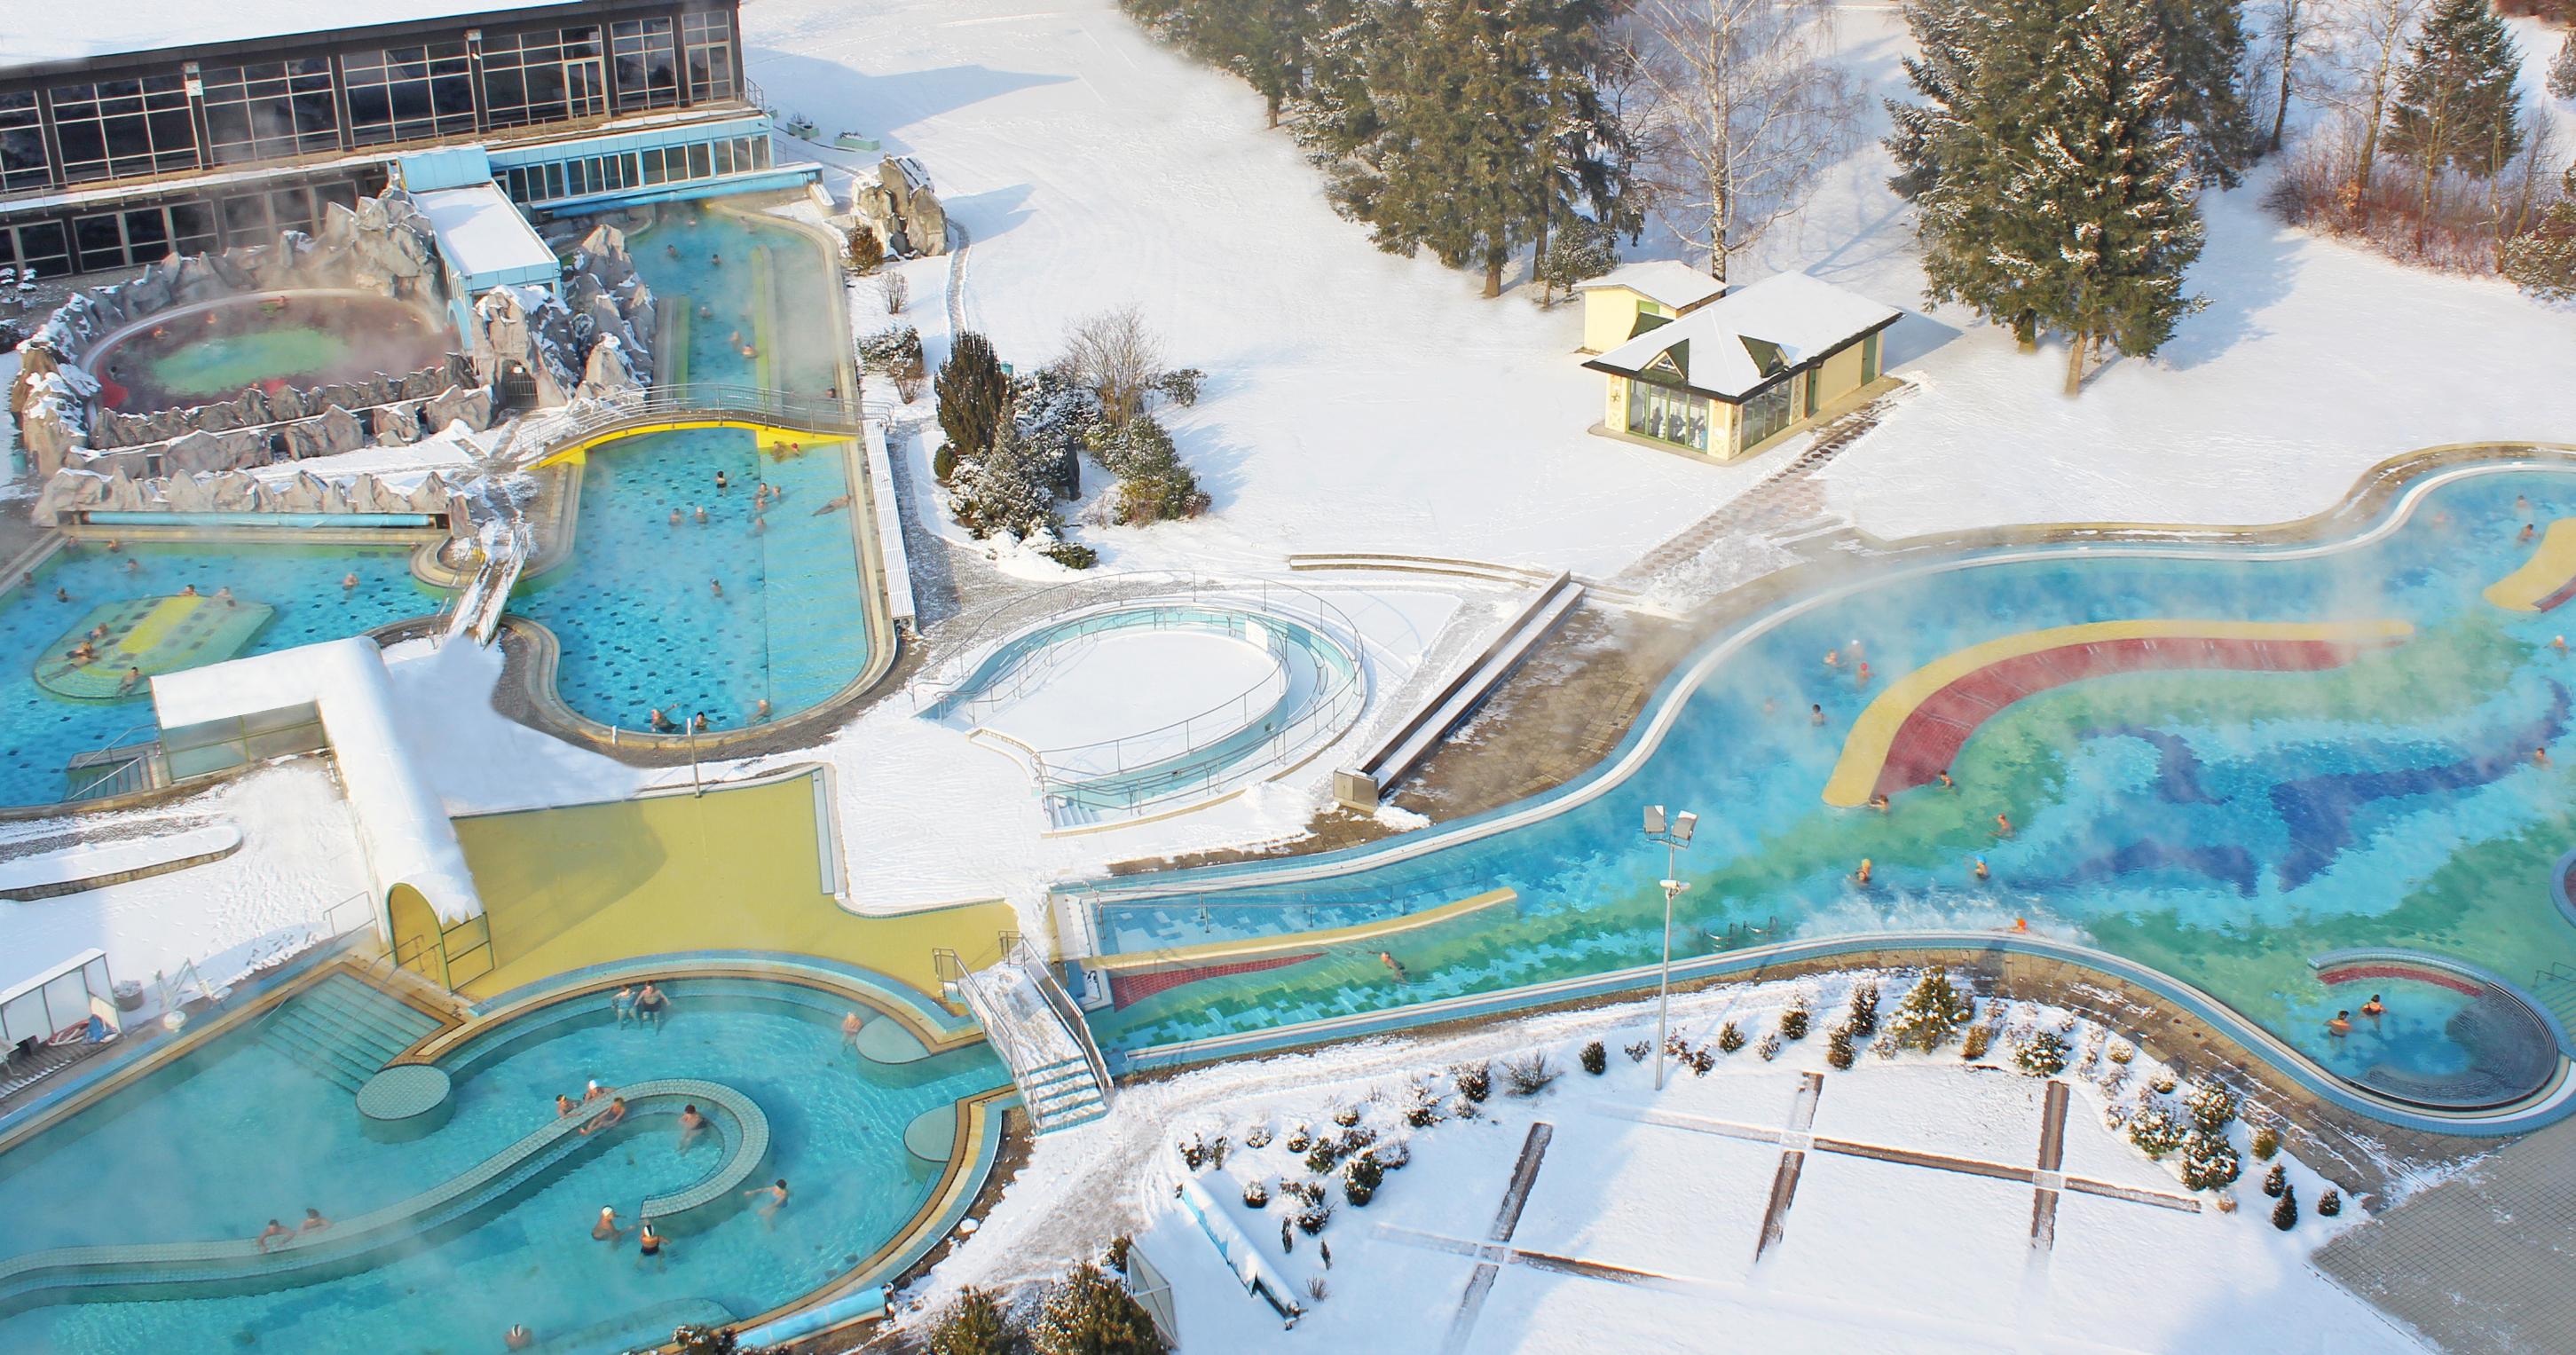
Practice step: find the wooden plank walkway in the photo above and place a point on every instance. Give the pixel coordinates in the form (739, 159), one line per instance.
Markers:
(1506, 1220)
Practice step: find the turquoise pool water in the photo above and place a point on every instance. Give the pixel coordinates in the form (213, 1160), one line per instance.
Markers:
(45, 731)
(2222, 827)
(235, 1134)
(2412, 1037)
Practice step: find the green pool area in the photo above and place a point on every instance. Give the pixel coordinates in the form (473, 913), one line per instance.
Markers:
(255, 1124)
(213, 352)
(2222, 825)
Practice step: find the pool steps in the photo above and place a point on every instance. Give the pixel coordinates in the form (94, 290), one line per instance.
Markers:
(1041, 1038)
(193, 1269)
(344, 1029)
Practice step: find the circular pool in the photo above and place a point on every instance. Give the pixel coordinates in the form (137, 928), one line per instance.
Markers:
(215, 350)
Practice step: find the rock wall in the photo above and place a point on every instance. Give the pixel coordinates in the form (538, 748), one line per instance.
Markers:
(235, 491)
(595, 340)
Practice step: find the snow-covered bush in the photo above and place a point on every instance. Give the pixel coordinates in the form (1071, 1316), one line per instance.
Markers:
(1315, 1213)
(2042, 1055)
(1346, 1116)
(1793, 1021)
(2267, 1141)
(1300, 1138)
(1838, 1047)
(2330, 1204)
(1257, 1136)
(1361, 1179)
(1088, 1313)
(2210, 1106)
(1071, 556)
(1321, 1157)
(1153, 484)
(1729, 1039)
(2163, 1083)
(1256, 1195)
(1770, 1047)
(1180, 385)
(1929, 1013)
(1973, 1047)
(1056, 416)
(1863, 1017)
(2209, 1161)
(865, 252)
(1475, 1081)
(974, 1323)
(2285, 1215)
(2154, 1132)
(1529, 1075)
(1596, 1059)
(2276, 1181)
(1637, 1052)
(2122, 1051)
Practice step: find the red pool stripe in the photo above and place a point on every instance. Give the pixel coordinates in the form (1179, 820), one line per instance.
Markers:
(1934, 731)
(1130, 988)
(2391, 969)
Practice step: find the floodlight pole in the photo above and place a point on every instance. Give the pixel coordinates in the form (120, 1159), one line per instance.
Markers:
(1675, 835)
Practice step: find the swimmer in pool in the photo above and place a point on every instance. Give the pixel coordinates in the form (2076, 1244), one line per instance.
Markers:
(1861, 678)
(658, 720)
(2003, 826)
(349, 580)
(721, 483)
(1861, 876)
(672, 250)
(275, 1231)
(716, 587)
(759, 523)
(1833, 658)
(675, 517)
(700, 515)
(595, 1092)
(1387, 959)
(225, 596)
(2559, 644)
(1880, 802)
(2526, 533)
(650, 1242)
(692, 1124)
(2539, 757)
(114, 545)
(133, 566)
(2374, 1007)
(61, 596)
(698, 723)
(610, 1118)
(2341, 1025)
(1946, 782)
(564, 1105)
(605, 1229)
(706, 312)
(188, 591)
(761, 711)
(1981, 872)
(133, 678)
(837, 504)
(774, 1199)
(518, 1337)
(1815, 714)
(313, 1221)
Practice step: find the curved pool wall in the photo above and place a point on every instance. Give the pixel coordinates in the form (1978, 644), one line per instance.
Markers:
(862, 1201)
(2410, 814)
(1244, 738)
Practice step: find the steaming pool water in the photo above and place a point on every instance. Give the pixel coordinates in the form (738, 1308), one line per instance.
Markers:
(234, 1133)
(203, 354)
(2223, 825)
(639, 624)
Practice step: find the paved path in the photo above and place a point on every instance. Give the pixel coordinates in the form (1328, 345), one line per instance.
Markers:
(1506, 1220)
(2485, 1261)
(1784, 1182)
(2052, 1152)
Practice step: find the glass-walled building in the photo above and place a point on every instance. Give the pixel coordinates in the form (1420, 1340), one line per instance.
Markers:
(1736, 374)
(120, 144)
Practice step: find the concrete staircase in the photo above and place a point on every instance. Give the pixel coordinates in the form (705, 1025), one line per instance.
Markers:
(344, 1029)
(1033, 1025)
(1787, 508)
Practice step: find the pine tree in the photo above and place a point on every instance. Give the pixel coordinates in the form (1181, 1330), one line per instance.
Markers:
(973, 1324)
(1927, 1015)
(2542, 260)
(2209, 1161)
(2455, 106)
(974, 395)
(1467, 127)
(1088, 1313)
(2060, 193)
(866, 252)
(1264, 41)
(2285, 1215)
(1580, 250)
(2562, 68)
(1008, 490)
(2204, 49)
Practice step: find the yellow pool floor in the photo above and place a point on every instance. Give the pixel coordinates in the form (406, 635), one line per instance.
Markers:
(737, 869)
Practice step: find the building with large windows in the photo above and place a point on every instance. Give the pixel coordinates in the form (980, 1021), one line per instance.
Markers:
(148, 127)
(1734, 375)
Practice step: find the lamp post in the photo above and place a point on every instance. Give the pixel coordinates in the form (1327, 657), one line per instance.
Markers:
(1675, 834)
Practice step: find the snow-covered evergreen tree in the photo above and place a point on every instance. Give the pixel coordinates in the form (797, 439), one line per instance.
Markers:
(2154, 1132)
(974, 1323)
(2285, 1215)
(2042, 1055)
(974, 395)
(2210, 1106)
(1926, 1016)
(1007, 490)
(2542, 260)
(2204, 48)
(2562, 85)
(2455, 106)
(2209, 1161)
(1088, 1313)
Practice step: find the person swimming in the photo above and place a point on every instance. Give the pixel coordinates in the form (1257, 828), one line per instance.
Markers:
(1861, 678)
(761, 711)
(658, 721)
(650, 1243)
(1880, 802)
(188, 590)
(850, 1027)
(775, 1199)
(722, 484)
(225, 596)
(1861, 876)
(1815, 714)
(1388, 959)
(275, 1231)
(675, 517)
(133, 678)
(1833, 658)
(1946, 782)
(349, 580)
(715, 587)
(2374, 1007)
(2341, 1025)
(698, 723)
(596, 1092)
(650, 1005)
(2526, 533)
(313, 1221)
(2540, 757)
(518, 1337)
(1980, 872)
(622, 1005)
(61, 596)
(2003, 826)
(605, 1228)
(133, 566)
(692, 1124)
(700, 514)
(610, 1118)
(564, 1106)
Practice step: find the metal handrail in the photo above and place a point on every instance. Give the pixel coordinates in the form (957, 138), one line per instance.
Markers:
(1061, 1003)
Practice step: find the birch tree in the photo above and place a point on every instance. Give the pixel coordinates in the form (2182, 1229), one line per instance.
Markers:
(1741, 109)
(2361, 45)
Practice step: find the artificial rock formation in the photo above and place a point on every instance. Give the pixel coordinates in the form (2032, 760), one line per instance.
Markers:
(903, 208)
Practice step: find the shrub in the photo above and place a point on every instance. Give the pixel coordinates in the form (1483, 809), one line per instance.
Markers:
(1114, 354)
(1256, 1195)
(1793, 1022)
(1088, 1313)
(1529, 1076)
(2042, 1055)
(895, 290)
(1153, 484)
(1637, 1052)
(1974, 1046)
(1257, 1136)
(1769, 1049)
(2210, 1106)
(864, 250)
(1422, 1116)
(1928, 1013)
(1863, 1019)
(2227, 1202)
(1838, 1047)
(2154, 1132)
(1700, 1061)
(1299, 1139)
(1119, 1246)
(1361, 1179)
(2285, 1215)
(2163, 1083)
(1462, 1109)
(974, 395)
(1180, 385)
(2330, 1204)
(1729, 1039)
(2276, 1181)
(1596, 1059)
(1347, 1116)
(943, 463)
(1194, 1154)
(973, 1323)
(1394, 1156)
(2122, 1051)
(2267, 1141)
(1321, 1157)
(1317, 1212)
(1317, 1289)
(888, 349)
(2209, 1161)
(1475, 1081)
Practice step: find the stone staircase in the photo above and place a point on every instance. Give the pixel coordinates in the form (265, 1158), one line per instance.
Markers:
(1787, 508)
(344, 1029)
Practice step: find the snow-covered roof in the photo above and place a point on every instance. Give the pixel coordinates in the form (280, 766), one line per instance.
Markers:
(1662, 281)
(1732, 346)
(484, 238)
(153, 25)
(408, 837)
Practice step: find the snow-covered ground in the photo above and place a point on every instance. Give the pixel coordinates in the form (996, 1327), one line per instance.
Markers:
(1873, 1255)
